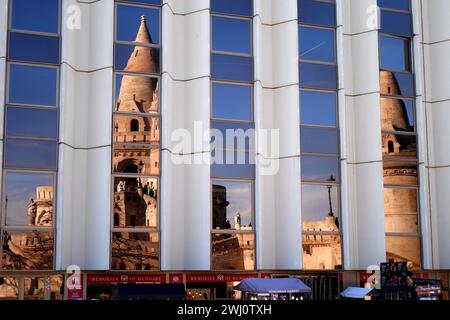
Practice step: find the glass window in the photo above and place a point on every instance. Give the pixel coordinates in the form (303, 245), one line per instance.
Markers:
(135, 201)
(128, 58)
(399, 145)
(27, 250)
(154, 2)
(232, 164)
(321, 252)
(400, 171)
(236, 7)
(396, 23)
(135, 251)
(319, 76)
(41, 16)
(57, 287)
(231, 35)
(31, 154)
(319, 140)
(233, 135)
(231, 101)
(397, 115)
(232, 205)
(397, 83)
(395, 4)
(33, 288)
(316, 212)
(32, 85)
(233, 68)
(136, 130)
(233, 251)
(316, 168)
(316, 44)
(9, 288)
(21, 122)
(317, 12)
(403, 248)
(395, 53)
(318, 108)
(45, 49)
(400, 210)
(136, 159)
(29, 199)
(136, 94)
(129, 19)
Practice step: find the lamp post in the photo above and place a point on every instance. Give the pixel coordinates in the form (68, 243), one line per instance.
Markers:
(329, 186)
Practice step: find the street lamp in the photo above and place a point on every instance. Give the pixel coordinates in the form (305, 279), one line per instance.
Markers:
(329, 186)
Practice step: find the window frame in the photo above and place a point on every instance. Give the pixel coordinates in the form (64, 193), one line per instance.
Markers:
(308, 26)
(409, 61)
(231, 53)
(233, 83)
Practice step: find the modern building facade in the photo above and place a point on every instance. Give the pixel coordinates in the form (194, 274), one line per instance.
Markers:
(113, 114)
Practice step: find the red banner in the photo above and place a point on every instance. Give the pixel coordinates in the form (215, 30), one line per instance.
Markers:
(217, 277)
(125, 278)
(176, 278)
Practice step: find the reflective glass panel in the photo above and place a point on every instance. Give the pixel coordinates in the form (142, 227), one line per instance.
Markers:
(135, 202)
(232, 135)
(395, 53)
(45, 49)
(29, 199)
(316, 44)
(154, 2)
(397, 83)
(31, 15)
(31, 154)
(399, 145)
(321, 252)
(319, 168)
(236, 7)
(233, 251)
(21, 122)
(231, 101)
(135, 251)
(394, 4)
(134, 158)
(400, 210)
(231, 35)
(137, 59)
(57, 287)
(33, 288)
(397, 115)
(318, 108)
(318, 76)
(136, 94)
(136, 130)
(232, 205)
(402, 249)
(400, 172)
(318, 140)
(316, 207)
(9, 288)
(396, 23)
(32, 85)
(233, 68)
(131, 26)
(232, 164)
(317, 12)
(27, 250)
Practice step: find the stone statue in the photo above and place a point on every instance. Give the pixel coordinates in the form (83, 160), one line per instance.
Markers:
(237, 221)
(32, 210)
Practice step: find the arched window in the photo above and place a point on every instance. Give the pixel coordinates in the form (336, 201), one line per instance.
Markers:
(390, 146)
(134, 125)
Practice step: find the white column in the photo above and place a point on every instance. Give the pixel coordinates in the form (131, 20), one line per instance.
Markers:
(84, 180)
(185, 104)
(436, 104)
(363, 219)
(277, 195)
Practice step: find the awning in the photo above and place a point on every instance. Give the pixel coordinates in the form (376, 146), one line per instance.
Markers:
(356, 293)
(280, 285)
(149, 292)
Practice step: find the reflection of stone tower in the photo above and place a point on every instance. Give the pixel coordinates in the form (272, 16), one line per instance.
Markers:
(40, 209)
(139, 96)
(220, 204)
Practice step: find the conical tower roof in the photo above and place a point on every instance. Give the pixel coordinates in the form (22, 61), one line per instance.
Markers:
(137, 92)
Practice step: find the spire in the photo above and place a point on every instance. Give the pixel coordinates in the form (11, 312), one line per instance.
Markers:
(143, 35)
